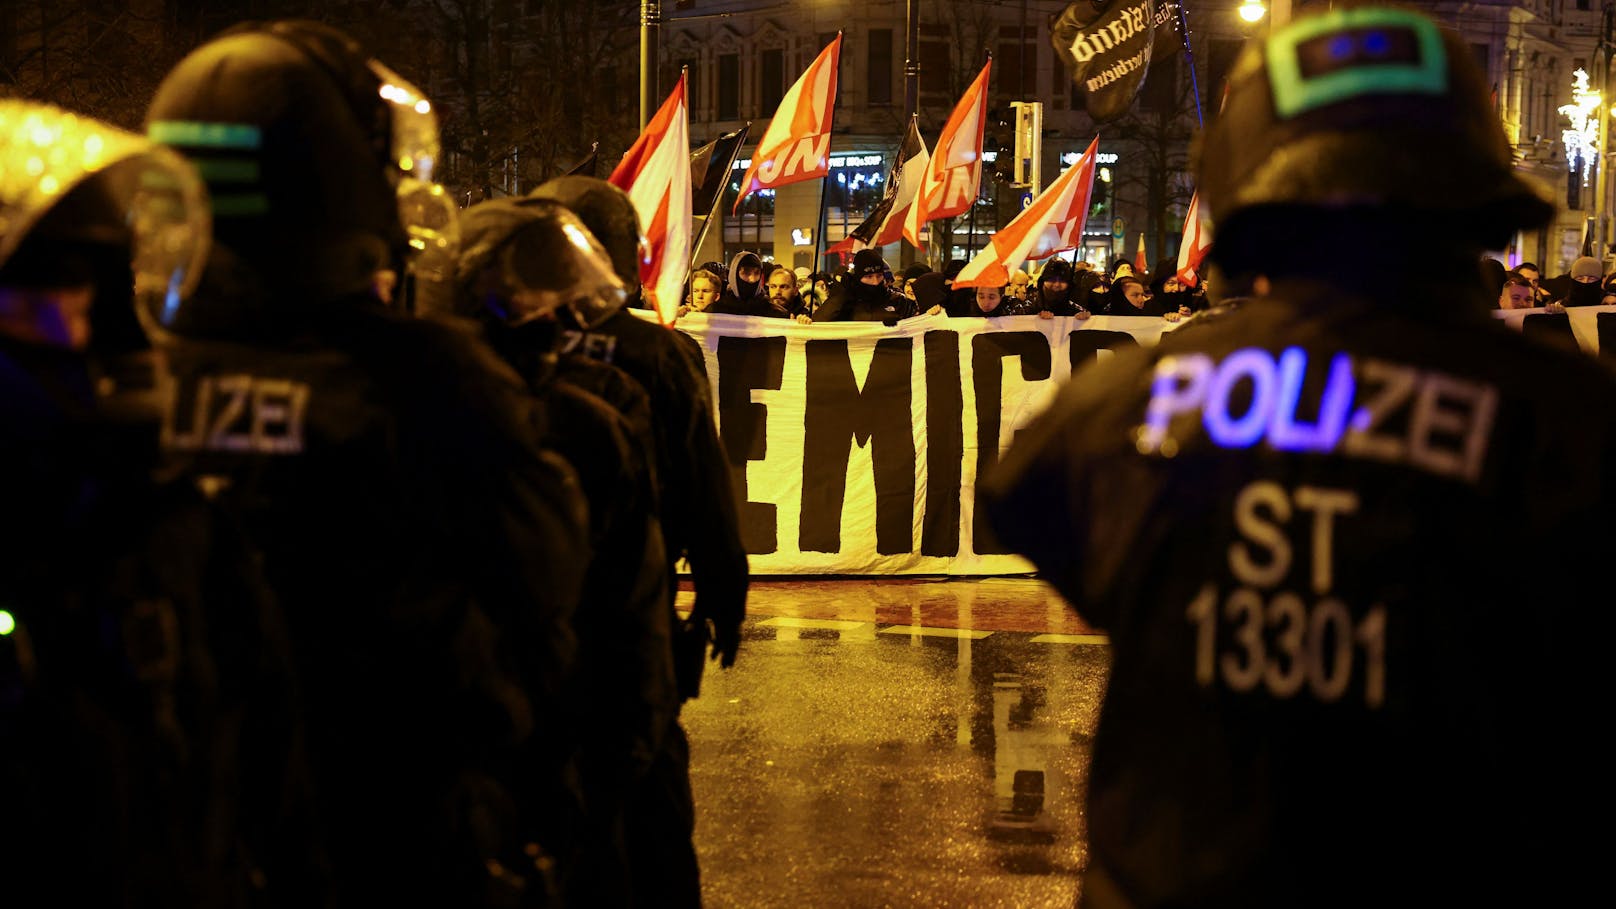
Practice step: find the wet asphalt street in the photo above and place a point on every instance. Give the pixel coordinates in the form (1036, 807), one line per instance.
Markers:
(898, 743)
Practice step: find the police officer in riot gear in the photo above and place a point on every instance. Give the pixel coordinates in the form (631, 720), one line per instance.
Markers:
(148, 734)
(698, 517)
(522, 261)
(1295, 519)
(423, 543)
(699, 522)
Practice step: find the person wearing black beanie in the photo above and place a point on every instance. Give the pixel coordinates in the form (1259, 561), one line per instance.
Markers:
(864, 296)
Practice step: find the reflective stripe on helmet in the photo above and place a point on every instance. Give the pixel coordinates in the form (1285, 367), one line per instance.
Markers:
(1348, 53)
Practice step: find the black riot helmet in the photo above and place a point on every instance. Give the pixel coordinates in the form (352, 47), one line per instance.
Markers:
(609, 214)
(101, 231)
(1365, 108)
(319, 160)
(524, 259)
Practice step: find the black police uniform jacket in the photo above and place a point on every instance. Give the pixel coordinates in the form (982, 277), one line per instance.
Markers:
(1351, 557)
(150, 737)
(697, 501)
(428, 553)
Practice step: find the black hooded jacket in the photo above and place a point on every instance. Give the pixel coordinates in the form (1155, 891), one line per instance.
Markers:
(851, 300)
(1043, 299)
(745, 291)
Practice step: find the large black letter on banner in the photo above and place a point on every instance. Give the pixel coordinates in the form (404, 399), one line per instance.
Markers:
(945, 445)
(745, 364)
(1606, 321)
(837, 412)
(1084, 345)
(1553, 327)
(988, 351)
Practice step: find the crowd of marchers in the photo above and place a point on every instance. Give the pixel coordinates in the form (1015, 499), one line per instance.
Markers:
(868, 290)
(1524, 287)
(339, 561)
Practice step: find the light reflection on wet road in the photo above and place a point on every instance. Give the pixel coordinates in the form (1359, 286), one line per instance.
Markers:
(897, 743)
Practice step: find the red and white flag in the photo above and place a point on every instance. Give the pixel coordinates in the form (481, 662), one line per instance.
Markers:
(954, 173)
(1052, 223)
(796, 146)
(655, 173)
(1193, 248)
(1140, 266)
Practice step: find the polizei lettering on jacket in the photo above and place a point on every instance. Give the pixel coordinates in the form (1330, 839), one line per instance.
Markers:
(1367, 408)
(237, 412)
(1088, 45)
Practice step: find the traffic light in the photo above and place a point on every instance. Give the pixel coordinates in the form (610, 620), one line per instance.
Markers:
(1029, 144)
(998, 138)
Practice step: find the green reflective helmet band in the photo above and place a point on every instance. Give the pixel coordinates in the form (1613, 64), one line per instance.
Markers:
(205, 135)
(1345, 54)
(227, 170)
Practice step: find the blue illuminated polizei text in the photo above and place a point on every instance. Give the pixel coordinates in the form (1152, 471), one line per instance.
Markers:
(1368, 408)
(1197, 382)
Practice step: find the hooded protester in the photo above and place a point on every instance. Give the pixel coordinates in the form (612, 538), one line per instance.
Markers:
(1174, 296)
(522, 261)
(863, 296)
(1322, 635)
(1053, 292)
(1582, 287)
(960, 301)
(1130, 297)
(1492, 274)
(929, 290)
(777, 299)
(746, 279)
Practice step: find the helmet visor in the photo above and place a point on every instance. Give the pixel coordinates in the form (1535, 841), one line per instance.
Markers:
(428, 214)
(550, 264)
(147, 198)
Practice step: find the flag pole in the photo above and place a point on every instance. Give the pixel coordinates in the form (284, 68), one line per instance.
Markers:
(824, 183)
(1195, 86)
(718, 200)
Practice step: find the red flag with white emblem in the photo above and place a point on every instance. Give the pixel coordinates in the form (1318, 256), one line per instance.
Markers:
(1140, 266)
(655, 173)
(1193, 248)
(954, 173)
(796, 146)
(1052, 223)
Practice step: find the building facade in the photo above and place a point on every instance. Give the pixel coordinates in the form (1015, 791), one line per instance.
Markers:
(742, 56)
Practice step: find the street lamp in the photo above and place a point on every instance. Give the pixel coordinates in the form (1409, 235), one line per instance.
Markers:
(1252, 10)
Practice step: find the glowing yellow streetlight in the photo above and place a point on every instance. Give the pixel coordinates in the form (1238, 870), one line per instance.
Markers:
(1252, 10)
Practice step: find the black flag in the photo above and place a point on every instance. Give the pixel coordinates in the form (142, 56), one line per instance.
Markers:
(586, 167)
(1106, 46)
(710, 168)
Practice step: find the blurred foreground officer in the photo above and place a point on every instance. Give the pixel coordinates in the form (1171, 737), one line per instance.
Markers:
(424, 545)
(1327, 679)
(148, 734)
(698, 520)
(522, 262)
